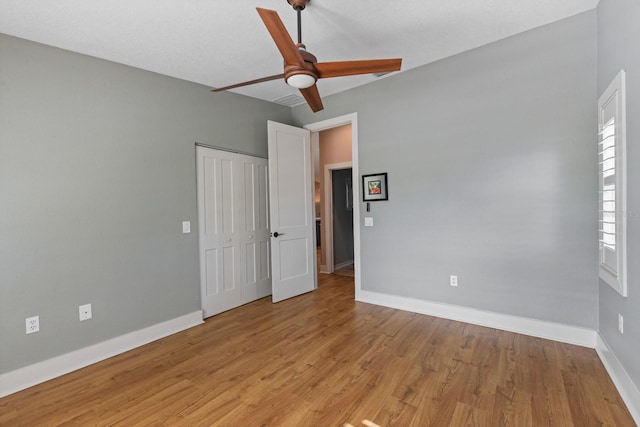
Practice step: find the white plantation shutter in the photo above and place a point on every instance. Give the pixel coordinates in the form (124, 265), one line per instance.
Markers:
(607, 200)
(611, 177)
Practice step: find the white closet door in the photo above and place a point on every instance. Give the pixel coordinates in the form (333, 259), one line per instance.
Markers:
(220, 216)
(255, 237)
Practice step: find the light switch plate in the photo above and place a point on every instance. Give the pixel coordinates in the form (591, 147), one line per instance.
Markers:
(620, 323)
(186, 227)
(368, 221)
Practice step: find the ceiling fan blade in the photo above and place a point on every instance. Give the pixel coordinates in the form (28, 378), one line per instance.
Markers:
(350, 68)
(281, 37)
(250, 82)
(312, 96)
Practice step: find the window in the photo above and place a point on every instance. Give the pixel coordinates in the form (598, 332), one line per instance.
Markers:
(612, 185)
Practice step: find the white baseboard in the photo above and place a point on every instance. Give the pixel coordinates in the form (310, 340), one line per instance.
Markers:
(627, 389)
(522, 325)
(40, 372)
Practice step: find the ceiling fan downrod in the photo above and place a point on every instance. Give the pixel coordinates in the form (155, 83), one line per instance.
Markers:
(299, 25)
(299, 6)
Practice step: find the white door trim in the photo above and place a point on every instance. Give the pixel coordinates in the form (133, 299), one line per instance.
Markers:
(328, 213)
(352, 119)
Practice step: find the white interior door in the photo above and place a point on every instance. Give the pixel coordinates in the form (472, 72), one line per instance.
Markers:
(219, 195)
(255, 237)
(293, 258)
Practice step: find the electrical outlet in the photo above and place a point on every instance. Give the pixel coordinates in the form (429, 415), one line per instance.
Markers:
(85, 312)
(620, 323)
(33, 324)
(453, 280)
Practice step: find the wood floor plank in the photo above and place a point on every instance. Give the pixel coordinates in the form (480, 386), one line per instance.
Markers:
(395, 412)
(322, 359)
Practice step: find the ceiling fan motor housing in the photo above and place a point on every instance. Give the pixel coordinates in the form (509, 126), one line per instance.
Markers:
(298, 4)
(291, 70)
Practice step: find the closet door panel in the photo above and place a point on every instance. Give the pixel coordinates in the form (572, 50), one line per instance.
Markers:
(219, 191)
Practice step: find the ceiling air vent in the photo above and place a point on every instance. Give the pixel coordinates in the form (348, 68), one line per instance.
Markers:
(290, 100)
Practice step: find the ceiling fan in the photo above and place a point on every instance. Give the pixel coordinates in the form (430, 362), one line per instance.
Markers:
(301, 69)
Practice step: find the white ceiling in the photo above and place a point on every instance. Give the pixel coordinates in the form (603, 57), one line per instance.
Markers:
(217, 43)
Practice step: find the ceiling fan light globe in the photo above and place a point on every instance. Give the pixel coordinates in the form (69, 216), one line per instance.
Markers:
(301, 81)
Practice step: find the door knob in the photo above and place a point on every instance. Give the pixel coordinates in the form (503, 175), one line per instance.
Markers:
(276, 234)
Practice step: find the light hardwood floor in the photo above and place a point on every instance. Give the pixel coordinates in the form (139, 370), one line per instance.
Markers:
(323, 359)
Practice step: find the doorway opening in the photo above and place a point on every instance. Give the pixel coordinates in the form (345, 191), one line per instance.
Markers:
(337, 207)
(341, 200)
(335, 152)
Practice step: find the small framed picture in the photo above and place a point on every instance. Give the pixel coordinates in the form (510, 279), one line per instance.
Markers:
(374, 187)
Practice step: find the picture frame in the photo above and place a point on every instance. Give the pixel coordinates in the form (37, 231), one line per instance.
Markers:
(374, 187)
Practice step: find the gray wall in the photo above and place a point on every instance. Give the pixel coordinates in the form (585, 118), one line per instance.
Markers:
(492, 162)
(342, 218)
(97, 172)
(618, 35)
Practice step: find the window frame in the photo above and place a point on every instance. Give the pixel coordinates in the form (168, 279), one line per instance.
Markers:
(612, 106)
